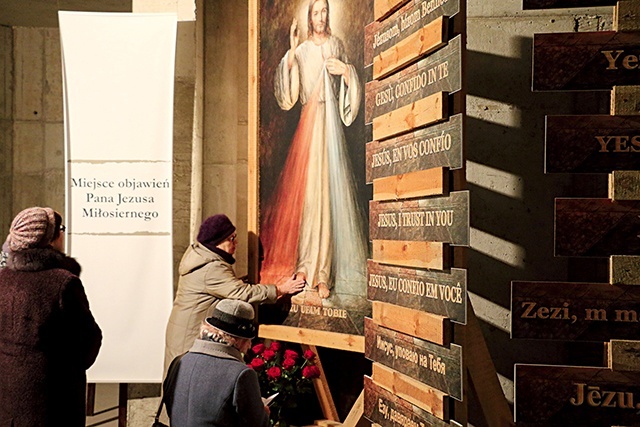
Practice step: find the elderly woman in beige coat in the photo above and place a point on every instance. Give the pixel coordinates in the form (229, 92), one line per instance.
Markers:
(206, 278)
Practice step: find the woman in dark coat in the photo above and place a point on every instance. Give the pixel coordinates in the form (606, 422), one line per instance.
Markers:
(48, 336)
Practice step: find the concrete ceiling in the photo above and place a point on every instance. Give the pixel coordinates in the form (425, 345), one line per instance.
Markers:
(44, 13)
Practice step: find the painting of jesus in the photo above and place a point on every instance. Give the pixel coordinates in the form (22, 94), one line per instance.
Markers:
(313, 194)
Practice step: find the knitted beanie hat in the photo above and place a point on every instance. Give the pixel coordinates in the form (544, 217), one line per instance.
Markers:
(32, 228)
(234, 317)
(214, 230)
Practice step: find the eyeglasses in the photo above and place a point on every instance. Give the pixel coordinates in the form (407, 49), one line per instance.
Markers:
(63, 228)
(233, 238)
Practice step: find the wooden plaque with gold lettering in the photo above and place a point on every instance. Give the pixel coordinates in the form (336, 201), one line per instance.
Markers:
(439, 219)
(592, 144)
(438, 292)
(554, 396)
(434, 365)
(388, 410)
(436, 146)
(574, 311)
(557, 4)
(439, 72)
(596, 227)
(403, 36)
(586, 61)
(384, 8)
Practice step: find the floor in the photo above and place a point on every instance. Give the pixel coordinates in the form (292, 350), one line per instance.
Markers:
(142, 405)
(106, 406)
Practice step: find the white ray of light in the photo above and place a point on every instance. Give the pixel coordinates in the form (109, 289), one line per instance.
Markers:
(491, 313)
(497, 248)
(495, 180)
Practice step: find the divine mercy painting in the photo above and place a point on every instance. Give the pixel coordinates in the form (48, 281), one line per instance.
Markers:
(313, 196)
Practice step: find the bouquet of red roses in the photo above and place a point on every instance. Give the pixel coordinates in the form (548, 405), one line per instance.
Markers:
(285, 371)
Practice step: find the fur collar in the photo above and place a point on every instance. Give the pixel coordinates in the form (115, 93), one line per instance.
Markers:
(41, 259)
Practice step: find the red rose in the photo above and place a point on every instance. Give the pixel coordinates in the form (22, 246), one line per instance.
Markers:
(288, 363)
(290, 354)
(309, 355)
(275, 346)
(273, 373)
(257, 364)
(268, 354)
(310, 371)
(258, 348)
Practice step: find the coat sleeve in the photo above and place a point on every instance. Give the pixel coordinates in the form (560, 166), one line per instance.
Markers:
(83, 336)
(247, 400)
(221, 282)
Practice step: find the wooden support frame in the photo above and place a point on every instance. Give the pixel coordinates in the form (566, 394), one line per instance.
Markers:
(90, 406)
(313, 337)
(322, 389)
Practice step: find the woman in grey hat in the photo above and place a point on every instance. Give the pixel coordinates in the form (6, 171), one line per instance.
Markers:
(48, 336)
(214, 386)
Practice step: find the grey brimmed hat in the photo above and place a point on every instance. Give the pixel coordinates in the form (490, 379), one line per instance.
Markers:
(235, 317)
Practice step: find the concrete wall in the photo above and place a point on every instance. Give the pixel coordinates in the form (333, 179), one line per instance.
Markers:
(6, 128)
(512, 200)
(225, 117)
(33, 154)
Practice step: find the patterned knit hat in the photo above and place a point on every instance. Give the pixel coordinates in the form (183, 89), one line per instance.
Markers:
(32, 228)
(234, 317)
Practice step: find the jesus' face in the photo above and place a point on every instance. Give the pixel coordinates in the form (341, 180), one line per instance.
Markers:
(319, 14)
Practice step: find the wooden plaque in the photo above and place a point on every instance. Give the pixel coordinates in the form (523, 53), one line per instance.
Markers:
(426, 111)
(585, 61)
(422, 395)
(596, 227)
(425, 183)
(429, 327)
(426, 40)
(436, 366)
(553, 396)
(384, 8)
(388, 410)
(433, 255)
(574, 311)
(438, 292)
(439, 72)
(624, 270)
(624, 185)
(592, 144)
(556, 4)
(404, 23)
(440, 219)
(436, 146)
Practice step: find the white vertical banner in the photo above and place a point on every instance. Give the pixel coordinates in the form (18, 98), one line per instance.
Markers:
(118, 72)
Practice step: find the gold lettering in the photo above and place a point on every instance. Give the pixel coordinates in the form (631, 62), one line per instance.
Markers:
(621, 144)
(630, 62)
(596, 314)
(593, 396)
(626, 316)
(608, 398)
(603, 144)
(579, 397)
(529, 306)
(611, 59)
